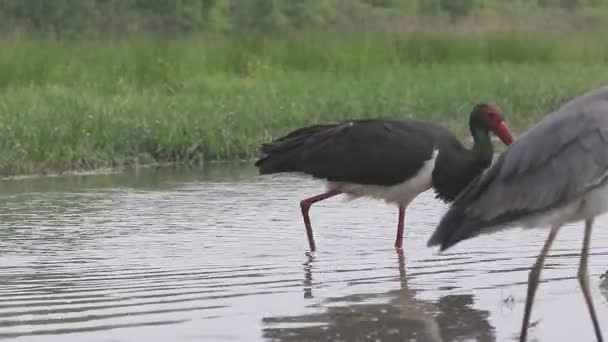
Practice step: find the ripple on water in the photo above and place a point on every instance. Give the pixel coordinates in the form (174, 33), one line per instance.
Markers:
(185, 257)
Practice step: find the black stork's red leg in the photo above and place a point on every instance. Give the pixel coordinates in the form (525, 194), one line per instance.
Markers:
(400, 224)
(305, 205)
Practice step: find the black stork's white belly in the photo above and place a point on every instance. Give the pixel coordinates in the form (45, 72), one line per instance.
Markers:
(400, 194)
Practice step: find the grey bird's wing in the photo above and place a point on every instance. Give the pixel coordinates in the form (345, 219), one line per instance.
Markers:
(556, 161)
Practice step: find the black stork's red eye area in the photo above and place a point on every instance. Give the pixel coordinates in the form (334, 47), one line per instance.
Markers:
(494, 115)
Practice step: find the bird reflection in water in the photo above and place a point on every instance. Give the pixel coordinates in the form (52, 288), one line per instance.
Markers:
(308, 275)
(402, 318)
(604, 284)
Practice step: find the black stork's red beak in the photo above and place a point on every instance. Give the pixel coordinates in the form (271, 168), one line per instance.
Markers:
(502, 131)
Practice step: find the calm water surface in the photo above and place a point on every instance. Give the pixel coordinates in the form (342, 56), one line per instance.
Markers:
(220, 255)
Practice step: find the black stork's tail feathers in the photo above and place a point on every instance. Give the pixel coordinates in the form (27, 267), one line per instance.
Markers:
(283, 154)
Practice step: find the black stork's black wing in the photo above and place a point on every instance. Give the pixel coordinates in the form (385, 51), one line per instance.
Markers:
(381, 152)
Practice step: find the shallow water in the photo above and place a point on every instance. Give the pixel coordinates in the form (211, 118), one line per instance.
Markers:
(220, 255)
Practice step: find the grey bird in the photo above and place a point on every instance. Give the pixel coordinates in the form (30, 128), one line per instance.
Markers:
(555, 173)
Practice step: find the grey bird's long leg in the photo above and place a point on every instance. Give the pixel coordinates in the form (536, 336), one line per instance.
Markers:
(533, 279)
(583, 279)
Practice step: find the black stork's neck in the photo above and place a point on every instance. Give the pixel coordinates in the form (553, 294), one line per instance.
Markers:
(483, 150)
(456, 165)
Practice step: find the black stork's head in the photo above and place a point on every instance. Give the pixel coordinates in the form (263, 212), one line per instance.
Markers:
(488, 118)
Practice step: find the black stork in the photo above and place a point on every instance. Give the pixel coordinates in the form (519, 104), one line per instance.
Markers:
(556, 173)
(393, 160)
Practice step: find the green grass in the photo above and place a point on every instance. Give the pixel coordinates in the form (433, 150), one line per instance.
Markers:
(68, 105)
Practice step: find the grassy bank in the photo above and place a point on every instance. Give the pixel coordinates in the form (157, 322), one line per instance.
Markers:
(68, 105)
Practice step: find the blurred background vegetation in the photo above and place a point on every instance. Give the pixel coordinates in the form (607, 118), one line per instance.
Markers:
(81, 16)
(96, 83)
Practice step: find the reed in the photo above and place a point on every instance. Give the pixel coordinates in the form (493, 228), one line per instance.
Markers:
(83, 104)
